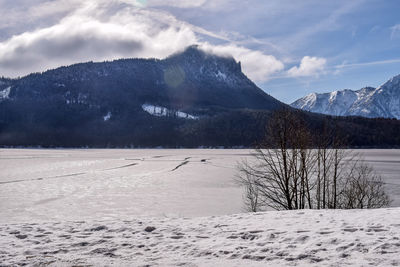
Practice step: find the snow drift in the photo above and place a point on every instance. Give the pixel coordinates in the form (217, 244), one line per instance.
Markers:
(292, 238)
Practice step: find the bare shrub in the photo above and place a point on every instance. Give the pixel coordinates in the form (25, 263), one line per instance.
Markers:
(363, 189)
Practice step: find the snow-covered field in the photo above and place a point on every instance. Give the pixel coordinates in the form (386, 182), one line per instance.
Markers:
(43, 185)
(54, 204)
(297, 238)
(75, 184)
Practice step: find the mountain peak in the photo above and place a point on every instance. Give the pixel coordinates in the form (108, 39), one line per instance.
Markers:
(366, 89)
(193, 51)
(392, 84)
(206, 65)
(195, 54)
(395, 79)
(368, 101)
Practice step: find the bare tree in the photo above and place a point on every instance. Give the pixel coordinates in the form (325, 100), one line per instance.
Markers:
(251, 194)
(334, 160)
(281, 173)
(287, 173)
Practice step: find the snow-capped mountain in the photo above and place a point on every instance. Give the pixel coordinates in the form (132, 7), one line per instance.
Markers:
(383, 101)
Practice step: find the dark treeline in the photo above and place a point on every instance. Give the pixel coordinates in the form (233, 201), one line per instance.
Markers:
(77, 127)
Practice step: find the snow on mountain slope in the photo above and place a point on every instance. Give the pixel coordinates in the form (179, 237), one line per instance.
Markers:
(107, 117)
(286, 238)
(383, 101)
(4, 94)
(335, 103)
(165, 112)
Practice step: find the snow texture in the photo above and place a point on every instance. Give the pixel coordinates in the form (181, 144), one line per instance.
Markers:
(383, 101)
(59, 84)
(291, 238)
(5, 94)
(164, 112)
(78, 99)
(97, 207)
(107, 117)
(221, 76)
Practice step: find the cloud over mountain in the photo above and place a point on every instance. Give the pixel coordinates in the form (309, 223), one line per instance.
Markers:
(101, 30)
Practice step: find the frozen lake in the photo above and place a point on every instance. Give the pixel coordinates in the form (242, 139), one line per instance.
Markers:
(81, 184)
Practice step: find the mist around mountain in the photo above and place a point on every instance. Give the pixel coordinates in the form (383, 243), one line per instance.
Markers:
(381, 102)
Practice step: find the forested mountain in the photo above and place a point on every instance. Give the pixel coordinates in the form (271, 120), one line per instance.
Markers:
(189, 99)
(383, 102)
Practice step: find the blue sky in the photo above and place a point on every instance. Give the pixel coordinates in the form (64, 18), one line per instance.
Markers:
(289, 48)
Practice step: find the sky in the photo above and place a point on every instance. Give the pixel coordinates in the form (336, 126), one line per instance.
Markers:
(288, 48)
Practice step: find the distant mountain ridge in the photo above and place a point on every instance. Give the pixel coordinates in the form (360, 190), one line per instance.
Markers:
(190, 79)
(190, 99)
(369, 102)
(138, 102)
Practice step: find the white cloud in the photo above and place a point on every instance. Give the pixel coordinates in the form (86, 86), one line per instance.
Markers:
(206, 4)
(84, 36)
(309, 66)
(364, 64)
(395, 31)
(104, 30)
(255, 64)
(176, 3)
